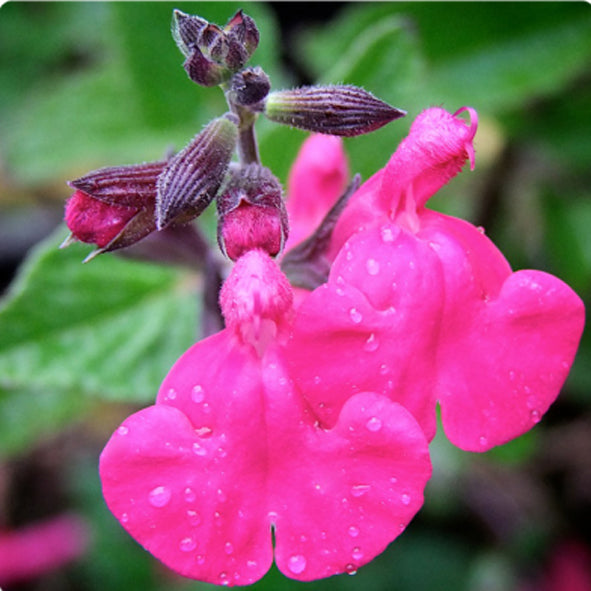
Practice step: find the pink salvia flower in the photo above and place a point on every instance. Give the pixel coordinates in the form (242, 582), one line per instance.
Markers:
(231, 452)
(317, 179)
(41, 547)
(505, 341)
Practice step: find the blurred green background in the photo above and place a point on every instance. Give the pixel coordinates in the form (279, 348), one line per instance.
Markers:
(84, 85)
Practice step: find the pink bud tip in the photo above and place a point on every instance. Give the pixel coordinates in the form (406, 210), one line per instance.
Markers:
(94, 221)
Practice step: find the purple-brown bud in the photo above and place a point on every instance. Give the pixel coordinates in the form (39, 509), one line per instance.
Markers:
(214, 54)
(250, 86)
(192, 177)
(334, 110)
(251, 213)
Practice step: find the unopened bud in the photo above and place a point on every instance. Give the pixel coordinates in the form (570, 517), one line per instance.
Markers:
(186, 30)
(214, 54)
(250, 86)
(251, 213)
(334, 110)
(113, 207)
(192, 177)
(243, 29)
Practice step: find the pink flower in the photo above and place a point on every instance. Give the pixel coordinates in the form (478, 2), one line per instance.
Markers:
(423, 307)
(231, 452)
(317, 179)
(33, 550)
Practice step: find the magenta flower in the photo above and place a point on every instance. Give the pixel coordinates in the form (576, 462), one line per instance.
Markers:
(423, 307)
(317, 179)
(231, 452)
(41, 547)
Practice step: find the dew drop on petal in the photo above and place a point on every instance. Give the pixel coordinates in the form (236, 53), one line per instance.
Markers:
(124, 518)
(194, 518)
(371, 344)
(198, 450)
(387, 234)
(221, 495)
(159, 496)
(355, 315)
(372, 266)
(228, 548)
(187, 545)
(296, 564)
(200, 559)
(483, 441)
(224, 579)
(123, 430)
(357, 554)
(353, 531)
(358, 490)
(405, 498)
(251, 563)
(535, 415)
(190, 495)
(197, 394)
(171, 394)
(374, 424)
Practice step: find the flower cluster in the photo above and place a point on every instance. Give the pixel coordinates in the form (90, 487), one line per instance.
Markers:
(299, 432)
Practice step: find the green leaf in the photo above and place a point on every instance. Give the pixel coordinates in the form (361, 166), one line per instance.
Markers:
(28, 415)
(111, 328)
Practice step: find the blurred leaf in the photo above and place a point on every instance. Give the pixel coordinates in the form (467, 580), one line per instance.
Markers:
(110, 328)
(28, 415)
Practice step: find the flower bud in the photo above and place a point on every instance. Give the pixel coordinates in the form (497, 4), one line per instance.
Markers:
(250, 86)
(214, 54)
(334, 110)
(192, 177)
(113, 207)
(251, 213)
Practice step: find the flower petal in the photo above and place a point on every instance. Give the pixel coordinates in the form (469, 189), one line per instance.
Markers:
(507, 339)
(317, 179)
(373, 326)
(231, 450)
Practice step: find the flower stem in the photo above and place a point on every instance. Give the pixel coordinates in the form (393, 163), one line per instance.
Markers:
(248, 150)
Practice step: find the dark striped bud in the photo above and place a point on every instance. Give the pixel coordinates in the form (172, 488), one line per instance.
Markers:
(334, 110)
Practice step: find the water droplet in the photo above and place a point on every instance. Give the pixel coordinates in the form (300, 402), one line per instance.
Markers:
(480, 229)
(190, 495)
(374, 424)
(198, 450)
(187, 545)
(387, 234)
(171, 394)
(393, 480)
(411, 264)
(371, 344)
(221, 495)
(512, 376)
(483, 441)
(536, 416)
(204, 432)
(124, 518)
(251, 563)
(434, 246)
(194, 518)
(206, 408)
(222, 453)
(357, 554)
(355, 315)
(353, 531)
(349, 255)
(200, 559)
(197, 394)
(296, 564)
(358, 490)
(224, 579)
(323, 535)
(394, 286)
(372, 266)
(317, 380)
(228, 548)
(159, 496)
(123, 430)
(405, 498)
(350, 569)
